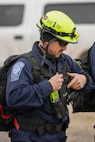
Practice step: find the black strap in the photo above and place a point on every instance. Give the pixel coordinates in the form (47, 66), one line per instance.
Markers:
(36, 66)
(39, 126)
(39, 69)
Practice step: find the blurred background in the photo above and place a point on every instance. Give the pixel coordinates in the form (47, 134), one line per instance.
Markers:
(18, 19)
(18, 32)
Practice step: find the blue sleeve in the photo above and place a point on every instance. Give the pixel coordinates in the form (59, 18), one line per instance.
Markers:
(21, 90)
(92, 62)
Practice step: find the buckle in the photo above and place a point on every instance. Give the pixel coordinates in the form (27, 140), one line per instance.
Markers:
(40, 130)
(53, 128)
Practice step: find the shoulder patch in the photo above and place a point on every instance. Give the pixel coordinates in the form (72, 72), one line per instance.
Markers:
(16, 71)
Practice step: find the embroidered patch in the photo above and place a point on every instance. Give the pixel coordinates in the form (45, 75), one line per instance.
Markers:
(16, 71)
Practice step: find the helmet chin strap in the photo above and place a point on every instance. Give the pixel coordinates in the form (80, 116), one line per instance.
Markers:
(52, 40)
(48, 55)
(46, 49)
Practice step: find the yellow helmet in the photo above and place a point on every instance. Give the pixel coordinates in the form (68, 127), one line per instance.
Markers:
(59, 25)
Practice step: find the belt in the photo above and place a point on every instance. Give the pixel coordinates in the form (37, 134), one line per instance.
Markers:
(37, 125)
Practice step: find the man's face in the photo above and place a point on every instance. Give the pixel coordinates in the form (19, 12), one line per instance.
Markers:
(57, 47)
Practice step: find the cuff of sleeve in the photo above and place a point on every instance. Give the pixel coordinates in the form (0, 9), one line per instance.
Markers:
(46, 88)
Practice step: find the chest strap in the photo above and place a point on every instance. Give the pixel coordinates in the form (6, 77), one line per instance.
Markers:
(38, 126)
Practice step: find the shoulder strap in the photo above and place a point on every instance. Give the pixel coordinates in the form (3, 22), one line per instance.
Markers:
(40, 70)
(36, 66)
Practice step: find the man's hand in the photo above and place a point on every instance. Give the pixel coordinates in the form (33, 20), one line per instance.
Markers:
(56, 81)
(78, 81)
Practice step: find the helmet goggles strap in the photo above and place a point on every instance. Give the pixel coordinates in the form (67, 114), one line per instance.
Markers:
(49, 29)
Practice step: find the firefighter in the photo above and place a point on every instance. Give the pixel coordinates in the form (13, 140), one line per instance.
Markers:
(37, 119)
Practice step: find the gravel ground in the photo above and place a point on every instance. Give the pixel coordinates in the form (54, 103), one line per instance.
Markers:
(80, 128)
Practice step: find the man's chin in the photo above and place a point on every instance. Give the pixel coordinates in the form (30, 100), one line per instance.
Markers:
(57, 56)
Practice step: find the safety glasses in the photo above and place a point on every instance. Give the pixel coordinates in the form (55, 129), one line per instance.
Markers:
(62, 43)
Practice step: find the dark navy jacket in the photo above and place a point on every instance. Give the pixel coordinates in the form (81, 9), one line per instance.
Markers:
(92, 61)
(23, 94)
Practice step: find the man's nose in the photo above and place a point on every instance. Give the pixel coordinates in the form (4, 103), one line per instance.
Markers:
(64, 47)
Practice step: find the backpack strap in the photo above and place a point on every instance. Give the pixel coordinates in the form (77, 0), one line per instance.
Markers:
(35, 65)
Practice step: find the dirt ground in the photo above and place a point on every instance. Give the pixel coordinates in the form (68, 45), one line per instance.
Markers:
(80, 129)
